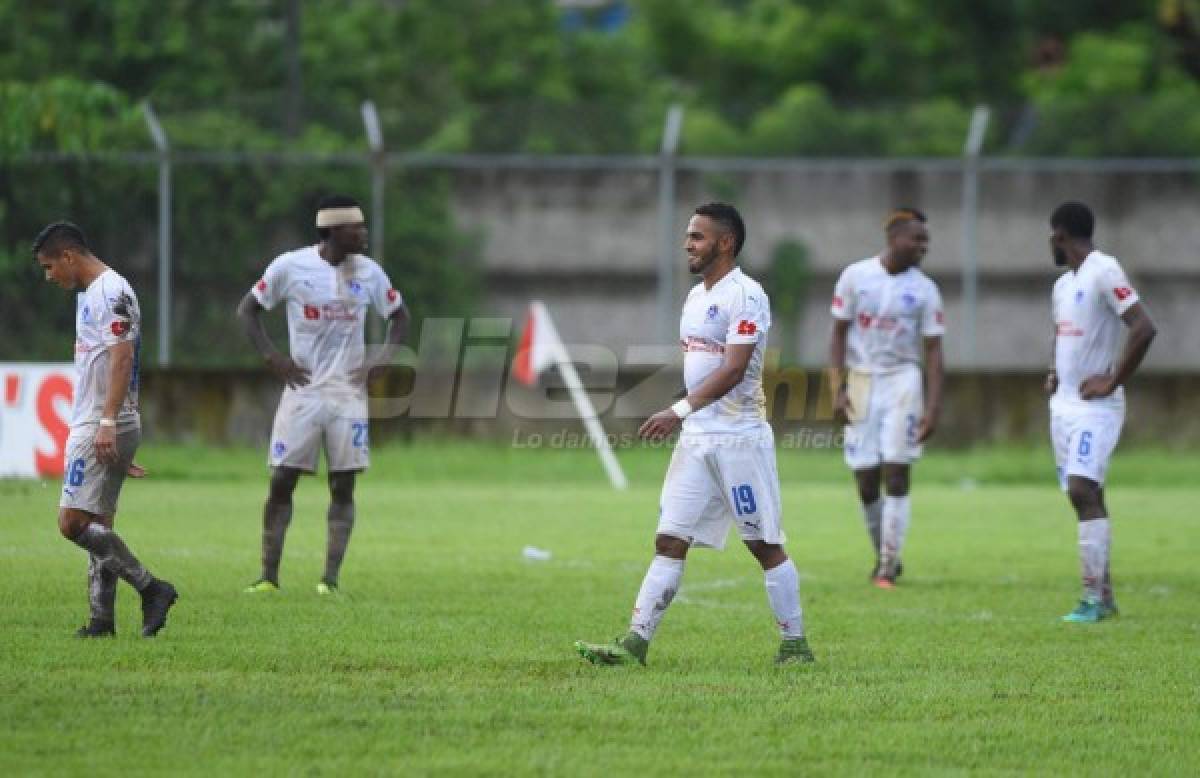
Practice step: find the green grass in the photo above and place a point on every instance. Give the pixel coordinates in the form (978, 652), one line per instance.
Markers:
(450, 653)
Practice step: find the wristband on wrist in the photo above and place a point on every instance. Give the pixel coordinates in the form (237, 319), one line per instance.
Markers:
(108, 422)
(682, 409)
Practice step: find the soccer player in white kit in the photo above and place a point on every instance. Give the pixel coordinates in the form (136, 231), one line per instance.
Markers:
(722, 472)
(1087, 406)
(327, 289)
(105, 427)
(887, 315)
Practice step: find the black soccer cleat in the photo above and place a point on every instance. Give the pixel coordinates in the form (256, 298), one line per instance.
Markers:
(157, 599)
(97, 628)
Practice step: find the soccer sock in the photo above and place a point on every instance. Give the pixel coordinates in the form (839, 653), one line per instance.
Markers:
(1093, 556)
(658, 589)
(341, 524)
(112, 553)
(102, 590)
(895, 526)
(873, 517)
(783, 591)
(276, 518)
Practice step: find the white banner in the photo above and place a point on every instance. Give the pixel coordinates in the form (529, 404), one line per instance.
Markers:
(35, 414)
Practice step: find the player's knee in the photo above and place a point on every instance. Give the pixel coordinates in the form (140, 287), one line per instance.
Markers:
(670, 546)
(769, 555)
(283, 484)
(1084, 496)
(70, 525)
(341, 488)
(896, 482)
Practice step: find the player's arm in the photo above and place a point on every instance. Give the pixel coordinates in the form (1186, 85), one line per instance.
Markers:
(935, 377)
(249, 312)
(120, 372)
(1141, 333)
(714, 387)
(396, 335)
(1051, 384)
(837, 368)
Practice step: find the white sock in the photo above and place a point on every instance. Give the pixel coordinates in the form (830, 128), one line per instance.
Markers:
(783, 591)
(895, 526)
(658, 589)
(1093, 556)
(873, 518)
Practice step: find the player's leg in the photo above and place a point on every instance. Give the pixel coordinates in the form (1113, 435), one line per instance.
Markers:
(90, 493)
(341, 523)
(688, 494)
(102, 595)
(898, 448)
(1092, 439)
(277, 516)
(1107, 597)
(896, 512)
(347, 449)
(867, 480)
(862, 456)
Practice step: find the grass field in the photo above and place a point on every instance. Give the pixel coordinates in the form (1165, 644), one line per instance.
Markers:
(450, 653)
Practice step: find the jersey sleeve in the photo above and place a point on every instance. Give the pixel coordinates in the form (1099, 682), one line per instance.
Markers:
(271, 289)
(933, 318)
(384, 296)
(749, 320)
(1115, 289)
(120, 319)
(843, 297)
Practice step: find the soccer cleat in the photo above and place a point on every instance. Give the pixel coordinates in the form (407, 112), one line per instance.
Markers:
(1089, 612)
(1109, 609)
(97, 628)
(628, 650)
(157, 599)
(794, 651)
(877, 571)
(883, 582)
(261, 586)
(327, 587)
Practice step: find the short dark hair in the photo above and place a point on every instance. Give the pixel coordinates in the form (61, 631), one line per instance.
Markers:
(728, 217)
(1075, 218)
(57, 237)
(334, 201)
(902, 215)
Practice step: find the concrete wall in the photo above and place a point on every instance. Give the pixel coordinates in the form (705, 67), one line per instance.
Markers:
(586, 241)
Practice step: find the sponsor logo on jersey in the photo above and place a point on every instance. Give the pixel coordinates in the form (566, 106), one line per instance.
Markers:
(939, 317)
(864, 321)
(693, 343)
(712, 313)
(312, 312)
(746, 327)
(1067, 328)
(338, 311)
(1122, 292)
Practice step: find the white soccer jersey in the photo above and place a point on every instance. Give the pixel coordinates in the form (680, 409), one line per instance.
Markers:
(890, 315)
(106, 313)
(326, 310)
(1088, 304)
(735, 310)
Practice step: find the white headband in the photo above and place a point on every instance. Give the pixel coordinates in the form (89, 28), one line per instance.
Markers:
(336, 217)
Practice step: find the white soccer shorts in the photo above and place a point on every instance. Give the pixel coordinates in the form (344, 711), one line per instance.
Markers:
(715, 481)
(1084, 440)
(308, 419)
(886, 429)
(87, 484)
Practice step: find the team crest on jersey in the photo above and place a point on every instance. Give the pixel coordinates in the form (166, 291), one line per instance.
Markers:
(1078, 296)
(909, 299)
(713, 310)
(355, 287)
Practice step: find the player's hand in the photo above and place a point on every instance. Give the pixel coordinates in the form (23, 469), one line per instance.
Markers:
(287, 371)
(927, 426)
(135, 470)
(660, 425)
(843, 409)
(1051, 382)
(367, 373)
(106, 445)
(1097, 386)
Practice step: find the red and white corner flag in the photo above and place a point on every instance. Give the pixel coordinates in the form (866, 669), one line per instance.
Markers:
(541, 348)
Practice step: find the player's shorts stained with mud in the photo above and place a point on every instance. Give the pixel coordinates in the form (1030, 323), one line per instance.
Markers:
(889, 407)
(714, 481)
(89, 485)
(309, 420)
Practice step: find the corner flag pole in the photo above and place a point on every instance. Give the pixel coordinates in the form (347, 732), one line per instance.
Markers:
(583, 404)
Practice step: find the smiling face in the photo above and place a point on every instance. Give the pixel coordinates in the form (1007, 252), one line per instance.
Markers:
(704, 243)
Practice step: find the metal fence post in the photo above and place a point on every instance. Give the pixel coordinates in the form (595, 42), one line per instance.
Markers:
(377, 161)
(668, 240)
(970, 215)
(164, 232)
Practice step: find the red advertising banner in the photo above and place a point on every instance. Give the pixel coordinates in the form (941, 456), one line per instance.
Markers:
(35, 413)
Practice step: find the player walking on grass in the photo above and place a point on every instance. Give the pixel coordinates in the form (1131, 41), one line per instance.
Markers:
(722, 471)
(327, 289)
(887, 313)
(105, 427)
(1087, 406)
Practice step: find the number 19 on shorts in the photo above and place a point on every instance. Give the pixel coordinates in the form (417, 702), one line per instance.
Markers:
(743, 500)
